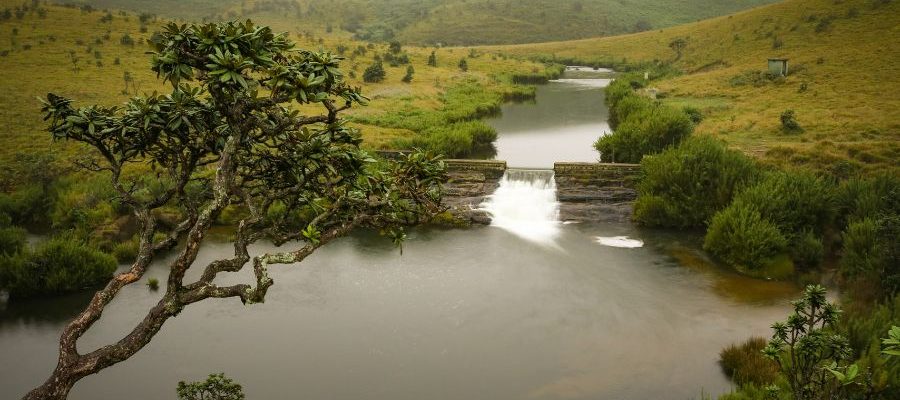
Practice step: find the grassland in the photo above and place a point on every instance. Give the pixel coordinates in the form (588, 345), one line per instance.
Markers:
(450, 22)
(842, 83)
(37, 58)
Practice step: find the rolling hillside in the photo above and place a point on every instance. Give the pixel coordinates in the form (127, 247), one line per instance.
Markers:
(98, 57)
(842, 82)
(449, 22)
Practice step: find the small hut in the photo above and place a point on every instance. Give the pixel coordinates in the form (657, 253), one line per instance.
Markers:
(778, 66)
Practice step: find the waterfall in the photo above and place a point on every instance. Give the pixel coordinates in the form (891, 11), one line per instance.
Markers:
(525, 204)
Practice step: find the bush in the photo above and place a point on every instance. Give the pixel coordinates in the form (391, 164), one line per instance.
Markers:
(694, 114)
(807, 250)
(647, 131)
(789, 122)
(741, 237)
(12, 240)
(58, 265)
(859, 199)
(216, 386)
(374, 73)
(684, 186)
(745, 364)
(872, 253)
(793, 201)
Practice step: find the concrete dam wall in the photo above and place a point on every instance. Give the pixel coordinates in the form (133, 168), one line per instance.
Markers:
(585, 191)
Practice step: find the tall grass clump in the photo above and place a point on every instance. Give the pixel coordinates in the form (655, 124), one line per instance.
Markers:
(684, 186)
(746, 365)
(60, 265)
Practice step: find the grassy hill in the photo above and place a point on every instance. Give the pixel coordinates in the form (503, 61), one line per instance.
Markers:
(450, 22)
(37, 49)
(842, 84)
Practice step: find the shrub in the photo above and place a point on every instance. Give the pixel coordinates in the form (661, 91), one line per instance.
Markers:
(694, 114)
(684, 186)
(12, 240)
(647, 131)
(58, 265)
(374, 73)
(463, 65)
(216, 386)
(807, 250)
(793, 201)
(409, 74)
(859, 198)
(789, 122)
(745, 364)
(153, 284)
(872, 252)
(741, 237)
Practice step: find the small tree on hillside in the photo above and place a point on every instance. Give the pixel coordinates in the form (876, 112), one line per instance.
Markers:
(432, 59)
(409, 74)
(395, 47)
(463, 65)
(374, 73)
(229, 135)
(678, 45)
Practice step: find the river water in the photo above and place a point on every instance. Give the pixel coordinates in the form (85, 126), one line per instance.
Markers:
(526, 309)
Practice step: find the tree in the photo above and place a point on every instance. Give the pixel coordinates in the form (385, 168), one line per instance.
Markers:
(463, 65)
(228, 136)
(432, 59)
(809, 352)
(678, 45)
(409, 74)
(394, 47)
(215, 387)
(374, 73)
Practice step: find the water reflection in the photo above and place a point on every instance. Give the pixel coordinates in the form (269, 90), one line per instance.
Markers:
(479, 313)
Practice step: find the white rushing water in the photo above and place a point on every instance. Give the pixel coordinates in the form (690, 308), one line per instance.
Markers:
(525, 204)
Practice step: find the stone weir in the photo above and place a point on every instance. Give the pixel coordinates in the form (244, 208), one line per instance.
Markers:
(586, 191)
(596, 191)
(470, 181)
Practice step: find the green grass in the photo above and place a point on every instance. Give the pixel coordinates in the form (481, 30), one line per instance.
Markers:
(37, 61)
(450, 22)
(842, 85)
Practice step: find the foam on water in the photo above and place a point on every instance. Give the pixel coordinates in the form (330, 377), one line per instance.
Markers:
(619, 241)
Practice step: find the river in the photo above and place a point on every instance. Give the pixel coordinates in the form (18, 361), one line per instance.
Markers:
(579, 311)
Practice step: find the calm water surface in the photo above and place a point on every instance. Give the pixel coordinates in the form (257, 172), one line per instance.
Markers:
(561, 124)
(483, 313)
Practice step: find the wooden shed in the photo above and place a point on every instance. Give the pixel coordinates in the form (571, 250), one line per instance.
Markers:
(778, 66)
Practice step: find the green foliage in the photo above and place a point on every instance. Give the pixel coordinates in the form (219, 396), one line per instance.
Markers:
(694, 114)
(684, 186)
(153, 284)
(463, 65)
(789, 122)
(60, 265)
(641, 125)
(793, 201)
(807, 250)
(740, 236)
(807, 344)
(872, 253)
(745, 364)
(215, 387)
(865, 326)
(432, 59)
(648, 131)
(374, 73)
(409, 74)
(12, 240)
